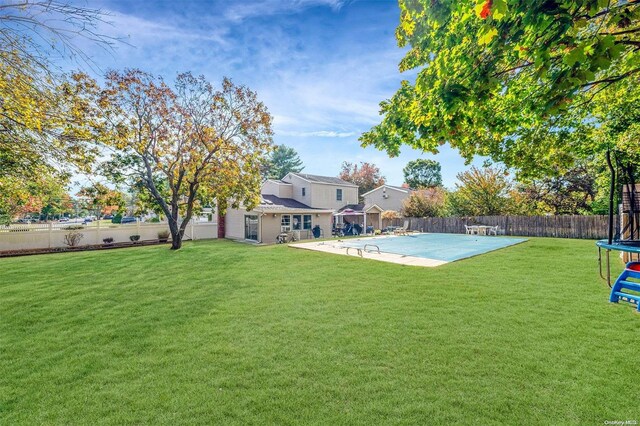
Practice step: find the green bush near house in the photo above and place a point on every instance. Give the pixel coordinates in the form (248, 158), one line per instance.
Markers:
(522, 335)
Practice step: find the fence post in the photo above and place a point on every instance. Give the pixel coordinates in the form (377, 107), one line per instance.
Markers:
(193, 236)
(137, 226)
(50, 231)
(98, 232)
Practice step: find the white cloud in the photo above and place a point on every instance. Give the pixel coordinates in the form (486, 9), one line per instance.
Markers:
(241, 11)
(319, 134)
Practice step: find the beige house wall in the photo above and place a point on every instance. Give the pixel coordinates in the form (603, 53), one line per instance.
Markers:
(392, 202)
(298, 184)
(321, 195)
(234, 223)
(324, 196)
(281, 190)
(269, 226)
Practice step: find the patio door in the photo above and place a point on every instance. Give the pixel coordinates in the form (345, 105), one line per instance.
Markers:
(251, 228)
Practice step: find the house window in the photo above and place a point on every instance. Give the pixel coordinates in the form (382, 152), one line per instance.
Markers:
(338, 194)
(304, 191)
(307, 222)
(297, 222)
(285, 223)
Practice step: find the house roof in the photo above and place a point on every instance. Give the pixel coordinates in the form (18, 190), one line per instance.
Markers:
(272, 202)
(397, 188)
(279, 181)
(323, 179)
(355, 207)
(359, 207)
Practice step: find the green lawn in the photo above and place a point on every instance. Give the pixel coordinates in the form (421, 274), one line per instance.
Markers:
(222, 332)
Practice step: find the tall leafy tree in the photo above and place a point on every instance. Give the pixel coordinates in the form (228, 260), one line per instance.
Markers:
(422, 173)
(568, 193)
(366, 175)
(201, 141)
(282, 160)
(46, 118)
(510, 79)
(481, 192)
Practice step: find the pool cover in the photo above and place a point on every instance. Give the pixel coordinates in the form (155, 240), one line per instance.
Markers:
(445, 247)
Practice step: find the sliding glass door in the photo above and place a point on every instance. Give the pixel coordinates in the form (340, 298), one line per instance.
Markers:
(251, 228)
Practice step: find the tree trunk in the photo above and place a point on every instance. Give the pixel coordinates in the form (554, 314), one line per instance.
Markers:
(612, 189)
(221, 219)
(176, 235)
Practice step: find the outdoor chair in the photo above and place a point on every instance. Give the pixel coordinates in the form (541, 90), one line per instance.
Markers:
(404, 230)
(493, 230)
(472, 230)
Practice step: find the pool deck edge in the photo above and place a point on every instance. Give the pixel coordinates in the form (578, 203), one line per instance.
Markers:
(335, 247)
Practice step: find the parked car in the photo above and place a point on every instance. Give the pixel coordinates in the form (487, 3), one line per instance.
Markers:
(128, 219)
(108, 216)
(63, 219)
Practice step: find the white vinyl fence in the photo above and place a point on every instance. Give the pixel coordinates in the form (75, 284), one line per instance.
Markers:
(52, 235)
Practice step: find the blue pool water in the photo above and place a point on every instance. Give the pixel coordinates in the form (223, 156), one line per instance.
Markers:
(445, 247)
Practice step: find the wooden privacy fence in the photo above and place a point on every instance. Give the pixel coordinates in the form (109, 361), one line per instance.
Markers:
(573, 226)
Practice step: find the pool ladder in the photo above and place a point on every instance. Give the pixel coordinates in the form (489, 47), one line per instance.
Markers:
(368, 248)
(631, 271)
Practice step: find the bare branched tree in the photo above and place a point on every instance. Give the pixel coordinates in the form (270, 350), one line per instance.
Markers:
(40, 30)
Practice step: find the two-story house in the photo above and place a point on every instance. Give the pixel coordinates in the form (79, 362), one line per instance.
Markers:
(296, 204)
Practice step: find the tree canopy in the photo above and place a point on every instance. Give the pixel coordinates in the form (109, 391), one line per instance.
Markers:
(366, 175)
(428, 202)
(282, 160)
(205, 143)
(481, 192)
(422, 173)
(46, 117)
(510, 79)
(98, 196)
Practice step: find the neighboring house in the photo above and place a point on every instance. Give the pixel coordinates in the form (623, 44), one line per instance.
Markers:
(296, 204)
(383, 198)
(387, 197)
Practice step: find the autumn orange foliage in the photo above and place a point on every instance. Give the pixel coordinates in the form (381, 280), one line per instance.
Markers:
(486, 9)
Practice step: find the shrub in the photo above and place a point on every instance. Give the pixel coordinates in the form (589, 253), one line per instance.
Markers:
(117, 218)
(72, 239)
(73, 227)
(134, 238)
(163, 235)
(429, 202)
(154, 220)
(390, 214)
(107, 240)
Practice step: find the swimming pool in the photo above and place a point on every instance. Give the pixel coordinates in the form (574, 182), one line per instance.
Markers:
(443, 247)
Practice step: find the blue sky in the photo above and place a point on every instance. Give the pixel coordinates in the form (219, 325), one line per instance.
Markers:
(320, 66)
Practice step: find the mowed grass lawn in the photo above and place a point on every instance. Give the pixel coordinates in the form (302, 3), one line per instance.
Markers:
(222, 332)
